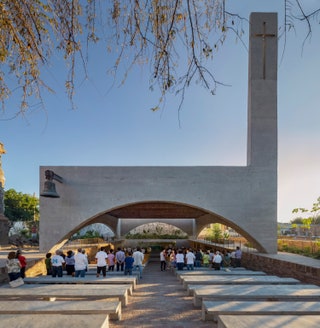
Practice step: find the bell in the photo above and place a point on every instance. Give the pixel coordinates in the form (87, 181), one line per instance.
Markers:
(49, 190)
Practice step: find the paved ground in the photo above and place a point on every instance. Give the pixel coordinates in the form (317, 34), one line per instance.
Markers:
(160, 301)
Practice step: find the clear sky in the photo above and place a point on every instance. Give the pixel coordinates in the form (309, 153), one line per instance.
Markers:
(117, 128)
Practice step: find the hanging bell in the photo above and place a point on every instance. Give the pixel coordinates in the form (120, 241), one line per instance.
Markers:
(49, 190)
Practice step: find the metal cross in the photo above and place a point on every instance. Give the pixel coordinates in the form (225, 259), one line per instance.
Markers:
(264, 35)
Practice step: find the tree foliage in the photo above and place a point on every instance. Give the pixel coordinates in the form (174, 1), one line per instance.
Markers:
(20, 207)
(175, 37)
(312, 215)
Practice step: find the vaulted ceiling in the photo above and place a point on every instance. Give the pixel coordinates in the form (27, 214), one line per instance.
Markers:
(157, 210)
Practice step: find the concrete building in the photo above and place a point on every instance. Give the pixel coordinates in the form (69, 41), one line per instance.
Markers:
(241, 197)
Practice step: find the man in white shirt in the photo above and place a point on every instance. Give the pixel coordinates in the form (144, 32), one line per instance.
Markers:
(217, 261)
(81, 263)
(138, 257)
(57, 262)
(190, 258)
(101, 258)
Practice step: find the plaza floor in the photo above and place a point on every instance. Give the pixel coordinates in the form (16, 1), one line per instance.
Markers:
(160, 300)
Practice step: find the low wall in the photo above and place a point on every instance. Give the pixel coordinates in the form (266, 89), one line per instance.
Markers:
(279, 267)
(282, 264)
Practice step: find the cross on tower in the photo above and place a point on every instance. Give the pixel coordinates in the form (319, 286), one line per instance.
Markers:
(264, 35)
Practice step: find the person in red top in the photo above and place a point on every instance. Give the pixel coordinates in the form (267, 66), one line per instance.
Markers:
(23, 263)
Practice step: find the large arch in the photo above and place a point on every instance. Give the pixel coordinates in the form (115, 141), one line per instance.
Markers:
(242, 197)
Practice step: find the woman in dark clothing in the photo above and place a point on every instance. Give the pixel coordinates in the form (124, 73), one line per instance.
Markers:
(70, 263)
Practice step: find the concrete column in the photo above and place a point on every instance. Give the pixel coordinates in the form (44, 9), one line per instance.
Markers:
(262, 91)
(118, 231)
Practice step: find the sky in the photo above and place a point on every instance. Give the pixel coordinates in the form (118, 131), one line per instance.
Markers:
(114, 126)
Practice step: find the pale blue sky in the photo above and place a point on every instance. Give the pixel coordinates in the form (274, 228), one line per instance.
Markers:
(117, 128)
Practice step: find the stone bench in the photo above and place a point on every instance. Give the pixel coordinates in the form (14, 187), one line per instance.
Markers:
(66, 292)
(236, 280)
(181, 274)
(132, 280)
(54, 320)
(106, 307)
(93, 272)
(269, 321)
(301, 292)
(211, 309)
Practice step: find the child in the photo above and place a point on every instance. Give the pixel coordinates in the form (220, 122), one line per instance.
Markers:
(48, 264)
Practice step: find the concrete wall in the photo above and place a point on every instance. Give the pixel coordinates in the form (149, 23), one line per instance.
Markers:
(245, 197)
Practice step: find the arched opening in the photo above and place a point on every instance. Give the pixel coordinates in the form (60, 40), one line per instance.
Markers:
(183, 217)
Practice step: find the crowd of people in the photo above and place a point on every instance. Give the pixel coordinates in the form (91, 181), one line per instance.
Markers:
(76, 265)
(171, 258)
(125, 260)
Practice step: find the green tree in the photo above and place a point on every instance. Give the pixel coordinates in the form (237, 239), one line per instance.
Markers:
(312, 215)
(216, 232)
(161, 33)
(21, 207)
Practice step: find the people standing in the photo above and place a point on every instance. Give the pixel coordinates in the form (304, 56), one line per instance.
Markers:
(206, 259)
(198, 260)
(120, 257)
(57, 262)
(238, 256)
(211, 256)
(70, 263)
(217, 261)
(190, 258)
(226, 259)
(180, 260)
(23, 263)
(101, 258)
(13, 266)
(81, 263)
(48, 264)
(163, 262)
(233, 258)
(111, 259)
(138, 257)
(173, 262)
(128, 264)
(85, 254)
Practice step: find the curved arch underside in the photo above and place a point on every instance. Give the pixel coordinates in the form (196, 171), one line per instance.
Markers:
(188, 218)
